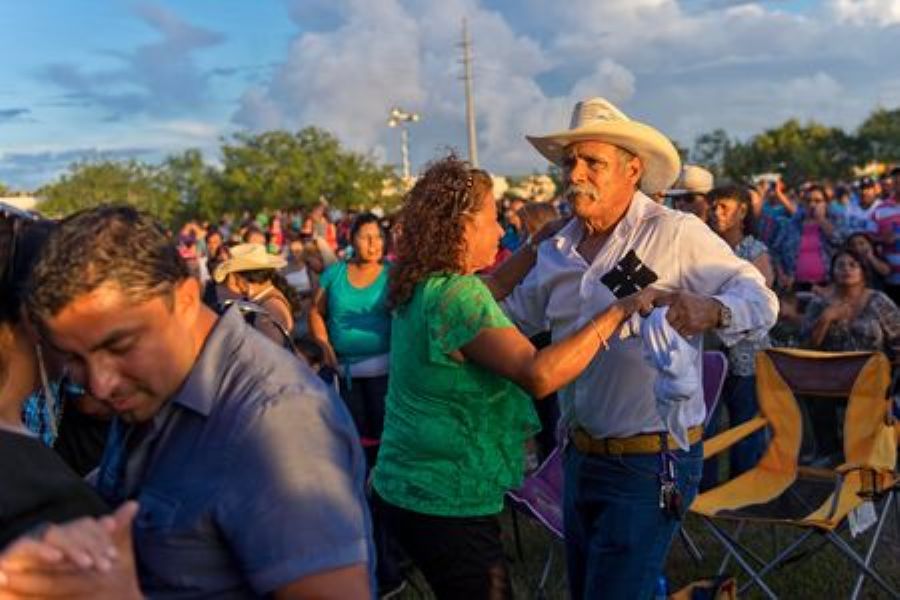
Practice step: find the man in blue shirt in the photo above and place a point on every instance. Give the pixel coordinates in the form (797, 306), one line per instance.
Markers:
(248, 472)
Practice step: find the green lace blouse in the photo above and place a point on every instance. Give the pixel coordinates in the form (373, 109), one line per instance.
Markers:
(454, 432)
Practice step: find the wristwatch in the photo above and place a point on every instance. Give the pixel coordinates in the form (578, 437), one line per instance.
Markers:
(724, 316)
(531, 244)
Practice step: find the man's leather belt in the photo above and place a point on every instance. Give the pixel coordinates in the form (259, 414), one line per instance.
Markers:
(644, 443)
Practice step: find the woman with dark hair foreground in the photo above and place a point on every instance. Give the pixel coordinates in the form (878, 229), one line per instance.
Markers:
(37, 488)
(457, 412)
(852, 316)
(45, 508)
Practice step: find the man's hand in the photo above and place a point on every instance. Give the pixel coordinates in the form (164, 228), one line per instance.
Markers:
(641, 302)
(689, 313)
(838, 311)
(43, 567)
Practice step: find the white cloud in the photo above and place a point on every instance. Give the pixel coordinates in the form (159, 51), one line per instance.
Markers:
(860, 12)
(740, 65)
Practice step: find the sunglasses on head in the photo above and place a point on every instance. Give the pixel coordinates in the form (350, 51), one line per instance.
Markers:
(17, 219)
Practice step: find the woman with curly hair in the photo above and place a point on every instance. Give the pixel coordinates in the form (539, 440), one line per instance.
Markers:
(458, 406)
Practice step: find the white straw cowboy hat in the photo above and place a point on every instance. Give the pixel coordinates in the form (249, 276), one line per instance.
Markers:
(596, 119)
(247, 257)
(693, 180)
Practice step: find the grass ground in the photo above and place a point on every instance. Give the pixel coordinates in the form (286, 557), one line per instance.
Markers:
(824, 574)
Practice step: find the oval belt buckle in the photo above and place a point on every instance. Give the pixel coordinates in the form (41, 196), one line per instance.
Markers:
(615, 447)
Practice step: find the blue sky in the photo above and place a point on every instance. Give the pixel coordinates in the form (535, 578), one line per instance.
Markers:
(87, 78)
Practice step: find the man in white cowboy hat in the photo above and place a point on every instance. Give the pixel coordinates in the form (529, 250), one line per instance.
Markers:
(689, 192)
(248, 274)
(626, 481)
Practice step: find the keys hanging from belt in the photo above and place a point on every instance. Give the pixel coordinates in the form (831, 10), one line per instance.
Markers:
(670, 500)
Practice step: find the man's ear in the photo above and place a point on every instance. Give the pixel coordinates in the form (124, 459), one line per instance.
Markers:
(187, 297)
(635, 170)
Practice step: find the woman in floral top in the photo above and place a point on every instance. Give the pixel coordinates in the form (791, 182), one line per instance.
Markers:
(732, 219)
(852, 316)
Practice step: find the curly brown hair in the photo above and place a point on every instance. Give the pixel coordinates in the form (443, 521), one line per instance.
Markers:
(432, 222)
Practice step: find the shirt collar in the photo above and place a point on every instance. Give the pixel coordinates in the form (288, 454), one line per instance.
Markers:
(639, 210)
(208, 374)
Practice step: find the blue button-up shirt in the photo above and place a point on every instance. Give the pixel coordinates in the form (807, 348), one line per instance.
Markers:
(251, 477)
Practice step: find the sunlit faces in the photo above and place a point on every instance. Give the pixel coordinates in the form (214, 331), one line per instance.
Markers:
(256, 237)
(599, 181)
(847, 271)
(237, 284)
(131, 355)
(728, 214)
(860, 244)
(815, 197)
(693, 203)
(481, 236)
(867, 195)
(296, 249)
(368, 243)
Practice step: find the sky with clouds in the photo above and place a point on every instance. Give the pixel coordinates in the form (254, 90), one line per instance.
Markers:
(119, 79)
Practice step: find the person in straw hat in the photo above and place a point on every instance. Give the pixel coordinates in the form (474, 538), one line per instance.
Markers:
(689, 193)
(252, 274)
(622, 465)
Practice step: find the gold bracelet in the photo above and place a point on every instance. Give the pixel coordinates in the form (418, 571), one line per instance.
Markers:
(599, 335)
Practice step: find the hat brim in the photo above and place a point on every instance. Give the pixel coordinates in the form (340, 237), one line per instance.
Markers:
(238, 265)
(662, 164)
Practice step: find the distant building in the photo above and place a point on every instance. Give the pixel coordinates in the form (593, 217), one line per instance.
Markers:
(537, 188)
(23, 202)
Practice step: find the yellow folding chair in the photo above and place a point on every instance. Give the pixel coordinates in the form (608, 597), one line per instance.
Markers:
(816, 497)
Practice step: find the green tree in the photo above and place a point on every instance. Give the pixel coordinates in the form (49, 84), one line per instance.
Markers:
(92, 183)
(797, 151)
(197, 186)
(879, 135)
(278, 169)
(711, 151)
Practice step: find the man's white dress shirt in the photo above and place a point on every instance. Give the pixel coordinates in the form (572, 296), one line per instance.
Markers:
(614, 396)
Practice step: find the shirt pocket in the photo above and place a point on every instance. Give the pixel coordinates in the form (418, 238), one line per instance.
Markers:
(157, 512)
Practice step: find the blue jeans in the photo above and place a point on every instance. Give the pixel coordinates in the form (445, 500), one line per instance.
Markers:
(617, 536)
(739, 399)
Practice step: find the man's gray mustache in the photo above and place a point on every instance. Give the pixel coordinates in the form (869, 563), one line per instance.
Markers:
(582, 190)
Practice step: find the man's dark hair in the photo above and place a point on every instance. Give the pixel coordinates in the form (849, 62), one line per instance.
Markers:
(116, 245)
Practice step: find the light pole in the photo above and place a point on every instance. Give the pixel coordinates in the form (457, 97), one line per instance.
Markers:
(399, 118)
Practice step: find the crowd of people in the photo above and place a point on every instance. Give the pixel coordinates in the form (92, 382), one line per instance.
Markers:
(304, 404)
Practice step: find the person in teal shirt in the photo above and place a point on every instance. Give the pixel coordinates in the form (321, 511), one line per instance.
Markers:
(458, 406)
(351, 321)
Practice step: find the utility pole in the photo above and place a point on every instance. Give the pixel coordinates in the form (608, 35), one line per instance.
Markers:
(470, 100)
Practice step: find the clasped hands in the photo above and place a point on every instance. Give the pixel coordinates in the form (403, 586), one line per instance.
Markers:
(84, 558)
(689, 313)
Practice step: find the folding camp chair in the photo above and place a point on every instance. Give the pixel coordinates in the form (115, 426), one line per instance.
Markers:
(541, 493)
(715, 369)
(792, 385)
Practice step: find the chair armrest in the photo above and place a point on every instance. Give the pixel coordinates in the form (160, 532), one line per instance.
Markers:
(847, 467)
(874, 481)
(728, 438)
